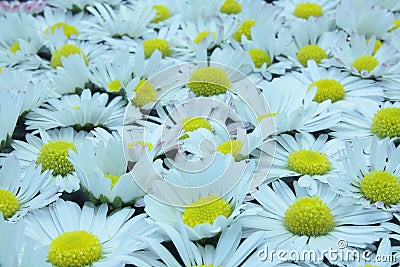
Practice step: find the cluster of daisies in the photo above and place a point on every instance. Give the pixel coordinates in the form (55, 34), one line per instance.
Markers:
(199, 133)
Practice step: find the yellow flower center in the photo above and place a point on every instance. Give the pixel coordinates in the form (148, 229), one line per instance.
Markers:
(65, 51)
(206, 210)
(203, 35)
(244, 29)
(74, 249)
(113, 178)
(267, 115)
(209, 81)
(309, 162)
(377, 45)
(328, 89)
(309, 216)
(231, 147)
(381, 186)
(367, 63)
(311, 52)
(191, 124)
(145, 93)
(386, 122)
(15, 47)
(152, 45)
(396, 25)
(231, 7)
(67, 29)
(306, 10)
(114, 86)
(162, 13)
(259, 57)
(53, 156)
(8, 203)
(368, 265)
(76, 107)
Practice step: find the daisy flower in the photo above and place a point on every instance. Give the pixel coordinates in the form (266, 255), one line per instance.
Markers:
(230, 60)
(257, 12)
(357, 56)
(149, 79)
(123, 20)
(105, 179)
(113, 72)
(299, 221)
(164, 40)
(306, 157)
(67, 23)
(373, 179)
(304, 9)
(165, 11)
(265, 47)
(88, 237)
(19, 189)
(16, 250)
(202, 143)
(83, 112)
(51, 150)
(189, 171)
(34, 90)
(71, 77)
(227, 252)
(206, 210)
(10, 108)
(365, 18)
(338, 86)
(210, 31)
(312, 41)
(21, 40)
(193, 114)
(217, 76)
(146, 137)
(63, 48)
(286, 105)
(369, 118)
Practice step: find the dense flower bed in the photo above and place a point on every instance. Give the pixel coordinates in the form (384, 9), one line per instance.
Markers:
(199, 133)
